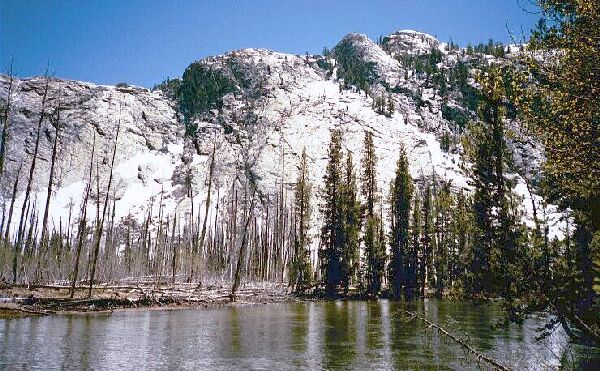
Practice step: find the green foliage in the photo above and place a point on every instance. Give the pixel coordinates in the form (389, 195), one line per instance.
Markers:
(202, 89)
(444, 203)
(495, 252)
(452, 46)
(491, 48)
(352, 68)
(374, 255)
(400, 198)
(169, 87)
(301, 272)
(445, 141)
(325, 64)
(456, 115)
(416, 273)
(332, 235)
(562, 106)
(350, 208)
(428, 241)
(384, 106)
(374, 252)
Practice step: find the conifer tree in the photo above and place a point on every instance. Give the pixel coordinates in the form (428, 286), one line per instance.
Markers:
(332, 229)
(369, 174)
(415, 248)
(444, 204)
(461, 231)
(428, 241)
(301, 268)
(374, 248)
(351, 226)
(495, 223)
(401, 194)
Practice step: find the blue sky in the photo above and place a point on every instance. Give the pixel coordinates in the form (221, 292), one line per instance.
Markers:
(142, 42)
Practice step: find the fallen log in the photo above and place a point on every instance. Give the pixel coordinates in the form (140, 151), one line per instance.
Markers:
(477, 354)
(38, 312)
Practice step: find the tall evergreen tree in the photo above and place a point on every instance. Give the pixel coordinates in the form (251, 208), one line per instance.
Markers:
(495, 222)
(301, 267)
(330, 252)
(351, 226)
(462, 232)
(369, 174)
(415, 277)
(444, 204)
(401, 193)
(374, 249)
(428, 241)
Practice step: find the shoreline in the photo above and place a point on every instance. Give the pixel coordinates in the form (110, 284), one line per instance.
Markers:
(22, 301)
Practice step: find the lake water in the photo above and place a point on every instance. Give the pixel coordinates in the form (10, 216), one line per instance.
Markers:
(313, 335)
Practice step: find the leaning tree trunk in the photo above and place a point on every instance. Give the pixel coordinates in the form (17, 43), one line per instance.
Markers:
(44, 236)
(207, 206)
(101, 221)
(29, 183)
(12, 204)
(236, 279)
(5, 122)
(82, 222)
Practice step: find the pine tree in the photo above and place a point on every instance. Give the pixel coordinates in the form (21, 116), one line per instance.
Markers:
(374, 248)
(351, 226)
(495, 222)
(401, 193)
(301, 268)
(462, 223)
(428, 241)
(369, 174)
(415, 277)
(332, 229)
(444, 204)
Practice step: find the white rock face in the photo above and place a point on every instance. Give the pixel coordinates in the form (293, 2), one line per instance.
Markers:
(410, 42)
(288, 103)
(150, 138)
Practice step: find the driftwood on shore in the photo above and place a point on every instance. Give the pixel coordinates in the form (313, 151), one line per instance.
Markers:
(462, 343)
(48, 299)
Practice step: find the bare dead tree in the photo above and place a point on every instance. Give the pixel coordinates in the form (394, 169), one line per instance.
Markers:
(174, 248)
(82, 222)
(12, 204)
(6, 120)
(242, 252)
(41, 260)
(30, 180)
(101, 221)
(207, 206)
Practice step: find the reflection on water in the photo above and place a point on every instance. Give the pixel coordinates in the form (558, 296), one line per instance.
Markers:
(315, 335)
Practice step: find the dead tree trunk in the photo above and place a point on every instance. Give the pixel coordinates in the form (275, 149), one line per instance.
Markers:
(242, 252)
(5, 121)
(12, 204)
(174, 247)
(51, 176)
(101, 222)
(82, 222)
(29, 182)
(207, 206)
(44, 236)
(480, 356)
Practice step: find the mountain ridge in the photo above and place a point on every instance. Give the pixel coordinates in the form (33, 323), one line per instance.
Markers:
(269, 107)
